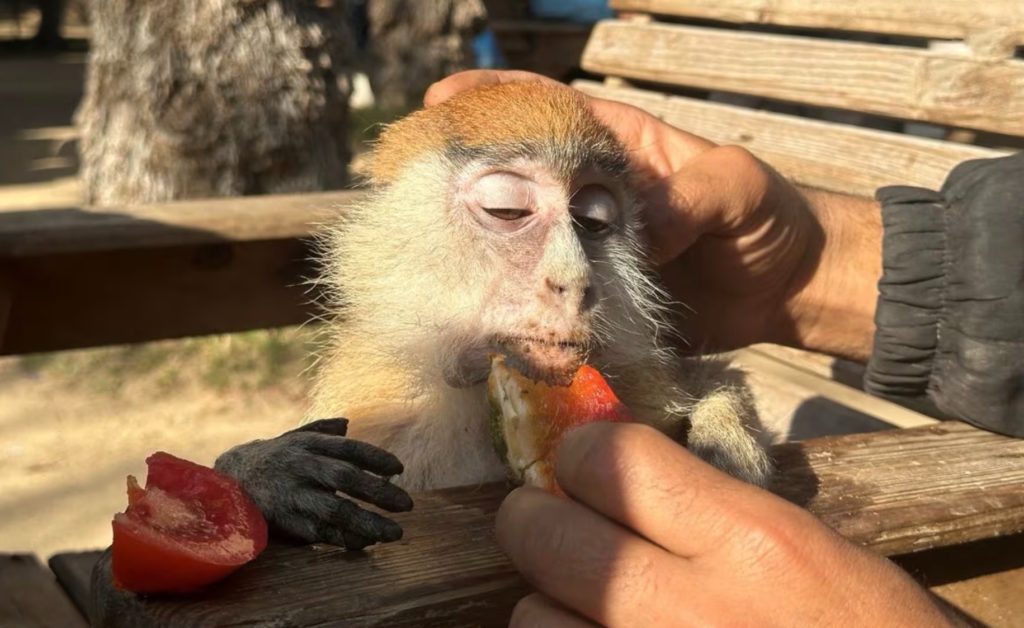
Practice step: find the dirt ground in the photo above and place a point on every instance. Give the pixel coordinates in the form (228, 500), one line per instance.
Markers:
(73, 425)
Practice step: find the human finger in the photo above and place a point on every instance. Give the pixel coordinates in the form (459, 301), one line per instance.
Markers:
(640, 478)
(588, 563)
(470, 79)
(537, 611)
(715, 192)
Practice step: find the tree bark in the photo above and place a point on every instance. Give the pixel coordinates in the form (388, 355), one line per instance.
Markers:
(203, 98)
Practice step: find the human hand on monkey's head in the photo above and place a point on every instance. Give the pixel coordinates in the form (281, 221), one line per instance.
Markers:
(294, 480)
(735, 242)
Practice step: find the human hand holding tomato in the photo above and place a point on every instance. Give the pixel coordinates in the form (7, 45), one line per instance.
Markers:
(653, 536)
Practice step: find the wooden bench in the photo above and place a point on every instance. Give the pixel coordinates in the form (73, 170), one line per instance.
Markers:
(904, 493)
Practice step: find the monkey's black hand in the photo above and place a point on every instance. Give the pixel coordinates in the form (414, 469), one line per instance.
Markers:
(294, 479)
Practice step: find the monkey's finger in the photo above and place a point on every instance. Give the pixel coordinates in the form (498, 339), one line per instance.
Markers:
(363, 455)
(353, 541)
(338, 513)
(312, 530)
(335, 427)
(342, 476)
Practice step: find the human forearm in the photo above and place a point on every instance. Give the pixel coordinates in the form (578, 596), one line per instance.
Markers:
(832, 306)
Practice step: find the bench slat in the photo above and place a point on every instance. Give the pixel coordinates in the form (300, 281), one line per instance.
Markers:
(245, 218)
(134, 295)
(903, 491)
(894, 81)
(30, 597)
(947, 19)
(818, 154)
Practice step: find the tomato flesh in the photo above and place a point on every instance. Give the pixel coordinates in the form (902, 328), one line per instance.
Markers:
(531, 418)
(189, 527)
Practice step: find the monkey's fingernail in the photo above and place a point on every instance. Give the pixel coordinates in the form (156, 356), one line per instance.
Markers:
(390, 531)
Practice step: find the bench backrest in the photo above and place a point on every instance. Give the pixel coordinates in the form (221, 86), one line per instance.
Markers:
(825, 91)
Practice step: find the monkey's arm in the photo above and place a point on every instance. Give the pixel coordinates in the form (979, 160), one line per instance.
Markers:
(294, 479)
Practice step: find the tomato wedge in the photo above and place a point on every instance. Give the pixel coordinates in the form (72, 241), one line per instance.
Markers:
(530, 418)
(189, 527)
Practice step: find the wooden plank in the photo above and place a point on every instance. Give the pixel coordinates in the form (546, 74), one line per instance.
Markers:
(896, 492)
(910, 83)
(813, 385)
(74, 574)
(943, 19)
(30, 597)
(983, 580)
(76, 230)
(134, 295)
(447, 571)
(837, 369)
(817, 154)
(903, 491)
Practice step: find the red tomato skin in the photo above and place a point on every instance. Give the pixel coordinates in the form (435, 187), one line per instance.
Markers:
(149, 560)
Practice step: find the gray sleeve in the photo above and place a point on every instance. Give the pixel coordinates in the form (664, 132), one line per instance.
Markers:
(950, 316)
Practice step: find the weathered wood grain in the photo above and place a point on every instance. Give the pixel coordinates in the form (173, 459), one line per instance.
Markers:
(248, 218)
(67, 301)
(945, 19)
(903, 491)
(818, 154)
(983, 580)
(894, 81)
(809, 384)
(827, 366)
(30, 597)
(896, 492)
(447, 571)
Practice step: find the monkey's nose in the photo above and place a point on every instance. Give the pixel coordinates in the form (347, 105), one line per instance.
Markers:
(581, 293)
(557, 287)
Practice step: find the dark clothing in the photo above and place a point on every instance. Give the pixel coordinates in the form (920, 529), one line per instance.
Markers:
(950, 317)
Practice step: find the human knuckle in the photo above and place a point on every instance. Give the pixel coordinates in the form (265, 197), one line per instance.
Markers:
(769, 545)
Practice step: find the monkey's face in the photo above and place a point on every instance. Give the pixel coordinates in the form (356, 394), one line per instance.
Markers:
(502, 222)
(541, 237)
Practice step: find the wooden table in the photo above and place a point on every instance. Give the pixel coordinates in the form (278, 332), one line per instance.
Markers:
(904, 493)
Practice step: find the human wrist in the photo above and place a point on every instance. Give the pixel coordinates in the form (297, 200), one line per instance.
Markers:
(832, 304)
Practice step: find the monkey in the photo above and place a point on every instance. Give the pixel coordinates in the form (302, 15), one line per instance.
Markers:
(504, 220)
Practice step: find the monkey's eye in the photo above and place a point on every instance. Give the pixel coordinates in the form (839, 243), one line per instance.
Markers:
(506, 213)
(505, 196)
(594, 209)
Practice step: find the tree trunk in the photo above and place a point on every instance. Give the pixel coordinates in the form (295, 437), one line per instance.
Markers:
(202, 98)
(414, 43)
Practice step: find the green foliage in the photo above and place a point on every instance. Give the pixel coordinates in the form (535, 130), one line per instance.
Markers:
(255, 360)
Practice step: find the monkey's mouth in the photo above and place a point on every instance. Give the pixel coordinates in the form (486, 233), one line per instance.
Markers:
(553, 362)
